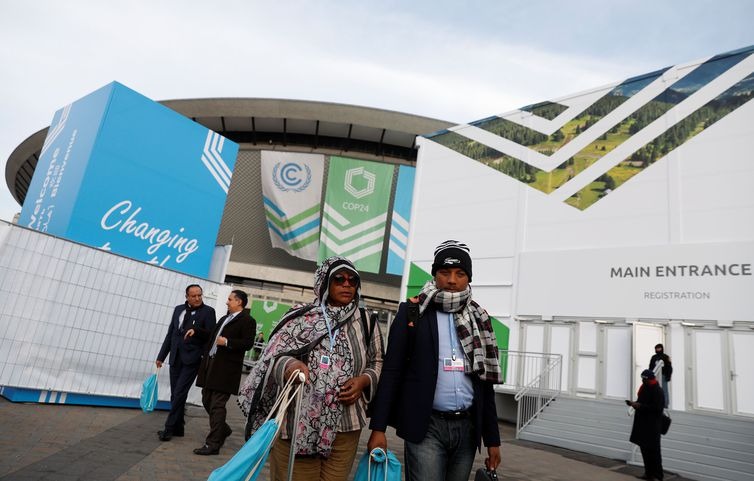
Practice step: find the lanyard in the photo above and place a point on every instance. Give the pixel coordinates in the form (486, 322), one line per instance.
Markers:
(453, 340)
(330, 332)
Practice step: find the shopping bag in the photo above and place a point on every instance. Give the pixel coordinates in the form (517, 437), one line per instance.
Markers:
(378, 466)
(250, 459)
(148, 398)
(247, 463)
(665, 426)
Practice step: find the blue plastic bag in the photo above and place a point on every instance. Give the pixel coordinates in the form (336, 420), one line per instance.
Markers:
(148, 398)
(378, 466)
(247, 463)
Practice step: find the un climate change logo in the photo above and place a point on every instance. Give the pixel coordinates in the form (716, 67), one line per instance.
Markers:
(369, 177)
(291, 176)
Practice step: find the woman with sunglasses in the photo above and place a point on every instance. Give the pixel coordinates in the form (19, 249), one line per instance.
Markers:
(339, 350)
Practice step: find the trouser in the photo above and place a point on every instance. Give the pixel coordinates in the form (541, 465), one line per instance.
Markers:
(337, 467)
(446, 452)
(652, 460)
(214, 403)
(182, 377)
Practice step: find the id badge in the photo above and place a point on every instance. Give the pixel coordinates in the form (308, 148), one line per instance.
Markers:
(448, 364)
(324, 362)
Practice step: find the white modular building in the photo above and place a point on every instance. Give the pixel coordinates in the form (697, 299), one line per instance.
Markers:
(603, 223)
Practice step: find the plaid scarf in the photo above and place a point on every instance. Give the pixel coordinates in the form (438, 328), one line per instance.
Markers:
(473, 326)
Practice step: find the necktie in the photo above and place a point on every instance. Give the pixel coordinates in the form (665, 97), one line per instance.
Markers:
(213, 350)
(187, 320)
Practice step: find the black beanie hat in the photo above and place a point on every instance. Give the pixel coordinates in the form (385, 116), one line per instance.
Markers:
(452, 253)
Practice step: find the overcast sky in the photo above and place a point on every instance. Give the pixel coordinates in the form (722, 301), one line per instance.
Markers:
(453, 60)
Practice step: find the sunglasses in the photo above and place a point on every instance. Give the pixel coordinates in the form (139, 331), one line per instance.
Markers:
(340, 280)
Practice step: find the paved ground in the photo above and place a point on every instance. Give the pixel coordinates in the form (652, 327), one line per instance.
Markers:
(69, 443)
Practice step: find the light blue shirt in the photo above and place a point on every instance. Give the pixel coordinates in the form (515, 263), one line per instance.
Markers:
(454, 390)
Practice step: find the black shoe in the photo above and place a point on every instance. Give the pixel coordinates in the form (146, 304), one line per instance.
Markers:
(165, 435)
(178, 433)
(206, 451)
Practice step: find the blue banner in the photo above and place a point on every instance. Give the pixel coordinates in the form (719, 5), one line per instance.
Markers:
(400, 220)
(126, 174)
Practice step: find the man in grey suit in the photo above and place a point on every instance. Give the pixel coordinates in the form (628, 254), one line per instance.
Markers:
(189, 329)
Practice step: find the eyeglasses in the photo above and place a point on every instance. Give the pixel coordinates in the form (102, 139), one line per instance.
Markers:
(340, 280)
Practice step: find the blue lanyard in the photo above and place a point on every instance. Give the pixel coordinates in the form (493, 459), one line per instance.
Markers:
(453, 339)
(330, 333)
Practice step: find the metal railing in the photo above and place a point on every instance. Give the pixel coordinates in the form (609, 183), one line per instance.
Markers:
(252, 354)
(521, 367)
(537, 377)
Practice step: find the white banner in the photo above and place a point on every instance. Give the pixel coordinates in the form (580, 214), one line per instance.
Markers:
(292, 191)
(691, 281)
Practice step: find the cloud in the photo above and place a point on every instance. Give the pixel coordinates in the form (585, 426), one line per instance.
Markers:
(443, 59)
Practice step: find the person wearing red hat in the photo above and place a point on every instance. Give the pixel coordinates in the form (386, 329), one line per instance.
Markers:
(646, 430)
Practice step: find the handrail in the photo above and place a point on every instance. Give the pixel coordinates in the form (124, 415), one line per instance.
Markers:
(539, 392)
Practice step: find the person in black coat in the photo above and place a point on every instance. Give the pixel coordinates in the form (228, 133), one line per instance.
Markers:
(189, 329)
(646, 431)
(436, 385)
(222, 364)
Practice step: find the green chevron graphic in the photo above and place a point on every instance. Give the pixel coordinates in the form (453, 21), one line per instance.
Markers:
(546, 110)
(355, 212)
(549, 181)
(682, 132)
(549, 145)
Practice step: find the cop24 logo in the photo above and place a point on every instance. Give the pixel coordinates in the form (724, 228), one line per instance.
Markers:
(291, 176)
(369, 177)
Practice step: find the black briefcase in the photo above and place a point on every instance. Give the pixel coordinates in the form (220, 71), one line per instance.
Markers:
(483, 475)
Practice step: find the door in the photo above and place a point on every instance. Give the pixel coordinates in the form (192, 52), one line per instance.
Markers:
(616, 363)
(646, 337)
(721, 371)
(709, 373)
(586, 360)
(549, 338)
(742, 372)
(561, 342)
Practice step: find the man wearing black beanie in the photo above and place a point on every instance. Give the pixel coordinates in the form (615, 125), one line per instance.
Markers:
(452, 254)
(436, 386)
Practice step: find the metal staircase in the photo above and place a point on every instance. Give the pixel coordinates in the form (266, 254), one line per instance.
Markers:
(703, 447)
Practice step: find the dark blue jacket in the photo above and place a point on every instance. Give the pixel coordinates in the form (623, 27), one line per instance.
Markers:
(190, 350)
(406, 389)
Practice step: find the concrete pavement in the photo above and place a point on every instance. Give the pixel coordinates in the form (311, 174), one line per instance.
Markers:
(81, 443)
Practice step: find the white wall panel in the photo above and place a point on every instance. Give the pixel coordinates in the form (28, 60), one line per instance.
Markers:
(78, 319)
(534, 337)
(587, 336)
(587, 373)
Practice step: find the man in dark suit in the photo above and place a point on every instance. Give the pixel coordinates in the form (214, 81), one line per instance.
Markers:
(190, 326)
(220, 372)
(436, 386)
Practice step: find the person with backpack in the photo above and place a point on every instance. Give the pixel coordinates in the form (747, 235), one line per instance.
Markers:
(334, 343)
(436, 386)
